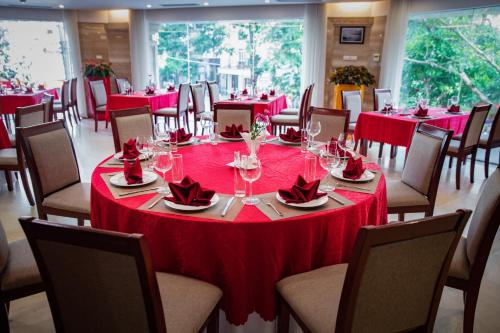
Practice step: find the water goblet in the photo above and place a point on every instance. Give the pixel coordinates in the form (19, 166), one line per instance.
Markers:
(162, 164)
(313, 128)
(328, 161)
(250, 171)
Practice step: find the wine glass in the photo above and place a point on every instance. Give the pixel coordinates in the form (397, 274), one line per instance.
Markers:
(162, 164)
(313, 128)
(424, 102)
(346, 142)
(263, 122)
(250, 171)
(162, 132)
(452, 101)
(206, 121)
(328, 161)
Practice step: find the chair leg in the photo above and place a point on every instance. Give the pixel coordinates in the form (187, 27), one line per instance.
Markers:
(78, 112)
(107, 122)
(401, 216)
(380, 149)
(186, 120)
(472, 165)
(213, 324)
(394, 151)
(283, 318)
(486, 162)
(8, 178)
(26, 186)
(458, 171)
(4, 318)
(81, 222)
(450, 161)
(95, 120)
(470, 310)
(74, 114)
(371, 144)
(69, 117)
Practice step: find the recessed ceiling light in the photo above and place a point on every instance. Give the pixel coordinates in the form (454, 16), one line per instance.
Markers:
(205, 3)
(148, 6)
(61, 6)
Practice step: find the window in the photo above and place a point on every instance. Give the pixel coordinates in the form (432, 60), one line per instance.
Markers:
(253, 54)
(33, 52)
(453, 54)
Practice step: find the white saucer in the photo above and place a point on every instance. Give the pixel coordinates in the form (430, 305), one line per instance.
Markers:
(120, 181)
(310, 204)
(187, 208)
(365, 177)
(118, 157)
(288, 142)
(187, 143)
(230, 139)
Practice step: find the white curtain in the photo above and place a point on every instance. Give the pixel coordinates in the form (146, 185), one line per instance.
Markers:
(71, 26)
(394, 41)
(140, 49)
(314, 50)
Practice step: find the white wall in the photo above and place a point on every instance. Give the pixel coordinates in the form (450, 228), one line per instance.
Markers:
(31, 14)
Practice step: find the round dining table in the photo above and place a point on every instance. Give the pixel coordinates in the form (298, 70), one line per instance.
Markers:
(246, 256)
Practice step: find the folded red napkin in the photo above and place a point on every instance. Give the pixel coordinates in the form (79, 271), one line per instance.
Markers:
(421, 112)
(41, 86)
(150, 91)
(133, 172)
(264, 97)
(334, 148)
(354, 168)
(171, 88)
(29, 90)
(291, 135)
(454, 108)
(387, 109)
(272, 92)
(130, 151)
(301, 191)
(232, 96)
(188, 192)
(181, 135)
(244, 92)
(232, 131)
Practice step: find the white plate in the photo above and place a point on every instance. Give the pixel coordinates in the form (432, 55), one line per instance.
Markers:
(189, 142)
(118, 157)
(417, 117)
(173, 205)
(231, 164)
(288, 142)
(460, 113)
(230, 139)
(310, 204)
(120, 181)
(365, 177)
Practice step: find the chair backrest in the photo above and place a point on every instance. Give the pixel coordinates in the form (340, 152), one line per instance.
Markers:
(351, 100)
(120, 85)
(227, 115)
(309, 96)
(115, 289)
(494, 136)
(98, 92)
(31, 115)
(425, 159)
(4, 250)
(74, 95)
(198, 93)
(379, 97)
(65, 95)
(129, 124)
(183, 99)
(304, 113)
(484, 223)
(48, 101)
(333, 122)
(396, 276)
(474, 126)
(50, 156)
(213, 93)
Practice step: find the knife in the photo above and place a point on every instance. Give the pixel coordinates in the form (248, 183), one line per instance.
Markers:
(138, 191)
(337, 200)
(226, 207)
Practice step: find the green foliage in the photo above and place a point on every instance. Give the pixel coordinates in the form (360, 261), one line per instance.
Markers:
(357, 75)
(6, 71)
(100, 69)
(453, 55)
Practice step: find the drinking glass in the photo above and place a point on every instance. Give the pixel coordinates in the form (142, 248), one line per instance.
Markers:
(452, 101)
(304, 143)
(214, 134)
(173, 139)
(206, 121)
(162, 132)
(250, 170)
(163, 163)
(177, 168)
(310, 167)
(263, 122)
(328, 160)
(313, 128)
(346, 141)
(424, 102)
(239, 182)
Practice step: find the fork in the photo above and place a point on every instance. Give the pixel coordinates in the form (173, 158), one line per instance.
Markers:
(352, 186)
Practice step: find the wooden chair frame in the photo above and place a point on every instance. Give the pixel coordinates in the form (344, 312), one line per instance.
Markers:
(428, 210)
(126, 113)
(180, 113)
(117, 85)
(210, 95)
(196, 107)
(332, 113)
(375, 97)
(92, 98)
(65, 102)
(491, 143)
(73, 102)
(471, 286)
(302, 113)
(23, 135)
(224, 106)
(463, 151)
(370, 236)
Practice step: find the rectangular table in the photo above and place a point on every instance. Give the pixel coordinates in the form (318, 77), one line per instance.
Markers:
(397, 130)
(9, 102)
(274, 105)
(162, 99)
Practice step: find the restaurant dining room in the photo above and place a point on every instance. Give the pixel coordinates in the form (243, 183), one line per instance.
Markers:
(251, 166)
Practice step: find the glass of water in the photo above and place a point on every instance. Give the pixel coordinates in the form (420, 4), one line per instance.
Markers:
(250, 170)
(214, 134)
(328, 161)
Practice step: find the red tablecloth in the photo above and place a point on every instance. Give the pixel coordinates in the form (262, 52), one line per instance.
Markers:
(245, 258)
(139, 98)
(9, 103)
(398, 130)
(4, 136)
(273, 106)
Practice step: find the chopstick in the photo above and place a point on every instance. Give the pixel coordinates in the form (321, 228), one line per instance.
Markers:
(138, 191)
(155, 202)
(337, 200)
(352, 186)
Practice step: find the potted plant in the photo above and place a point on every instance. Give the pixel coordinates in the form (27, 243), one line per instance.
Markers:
(349, 78)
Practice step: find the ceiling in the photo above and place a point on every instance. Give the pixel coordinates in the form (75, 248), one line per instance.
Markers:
(145, 4)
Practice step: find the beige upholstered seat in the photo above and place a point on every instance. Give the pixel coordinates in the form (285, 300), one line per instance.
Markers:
(213, 94)
(130, 127)
(285, 119)
(454, 146)
(99, 93)
(75, 198)
(8, 156)
(352, 127)
(227, 117)
(399, 194)
(187, 303)
(21, 269)
(316, 307)
(12, 139)
(101, 108)
(290, 111)
(166, 112)
(460, 264)
(331, 124)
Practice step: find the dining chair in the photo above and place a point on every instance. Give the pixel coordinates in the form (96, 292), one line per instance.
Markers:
(99, 99)
(379, 98)
(74, 99)
(115, 289)
(490, 141)
(198, 93)
(392, 283)
(417, 189)
(295, 111)
(19, 276)
(62, 106)
(351, 100)
(467, 143)
(468, 263)
(228, 114)
(333, 122)
(213, 93)
(121, 84)
(54, 172)
(280, 121)
(180, 110)
(129, 124)
(48, 100)
(12, 159)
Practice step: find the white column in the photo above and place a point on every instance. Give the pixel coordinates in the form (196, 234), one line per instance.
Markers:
(314, 51)
(140, 49)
